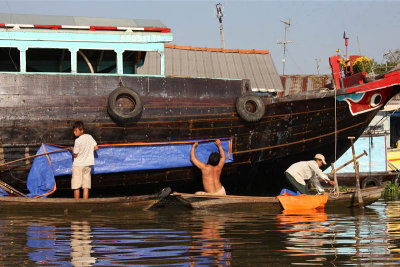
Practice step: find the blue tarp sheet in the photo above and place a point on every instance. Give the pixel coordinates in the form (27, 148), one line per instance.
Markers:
(2, 192)
(117, 158)
(290, 192)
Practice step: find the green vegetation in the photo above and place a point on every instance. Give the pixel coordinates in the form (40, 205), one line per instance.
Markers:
(343, 188)
(391, 60)
(392, 190)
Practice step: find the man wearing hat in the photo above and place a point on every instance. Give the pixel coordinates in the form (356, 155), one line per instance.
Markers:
(298, 172)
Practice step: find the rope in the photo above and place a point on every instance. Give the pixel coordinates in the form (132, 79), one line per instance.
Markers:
(336, 194)
(382, 120)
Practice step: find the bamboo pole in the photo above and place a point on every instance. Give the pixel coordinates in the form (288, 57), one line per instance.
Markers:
(347, 163)
(8, 188)
(358, 190)
(33, 156)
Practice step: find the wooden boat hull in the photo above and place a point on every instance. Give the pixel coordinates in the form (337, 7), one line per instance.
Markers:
(144, 202)
(40, 108)
(342, 200)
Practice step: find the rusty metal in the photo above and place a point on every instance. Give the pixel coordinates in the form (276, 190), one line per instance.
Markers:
(293, 84)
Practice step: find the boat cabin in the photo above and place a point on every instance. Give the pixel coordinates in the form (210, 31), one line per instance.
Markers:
(62, 44)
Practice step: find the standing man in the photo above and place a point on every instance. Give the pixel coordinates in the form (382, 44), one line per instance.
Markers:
(211, 171)
(83, 152)
(298, 172)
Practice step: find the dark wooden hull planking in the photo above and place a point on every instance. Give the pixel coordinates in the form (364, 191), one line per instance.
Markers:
(40, 108)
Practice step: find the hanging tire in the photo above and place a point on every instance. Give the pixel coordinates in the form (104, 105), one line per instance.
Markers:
(250, 107)
(370, 181)
(124, 105)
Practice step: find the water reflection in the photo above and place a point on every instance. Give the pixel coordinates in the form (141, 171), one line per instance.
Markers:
(213, 249)
(42, 239)
(81, 244)
(393, 225)
(204, 238)
(305, 233)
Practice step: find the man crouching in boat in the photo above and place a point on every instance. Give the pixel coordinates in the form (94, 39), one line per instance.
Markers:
(211, 171)
(298, 172)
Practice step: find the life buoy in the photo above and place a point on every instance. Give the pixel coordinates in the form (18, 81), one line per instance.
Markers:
(250, 107)
(124, 105)
(370, 181)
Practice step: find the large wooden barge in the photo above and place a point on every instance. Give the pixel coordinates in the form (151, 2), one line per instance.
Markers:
(57, 70)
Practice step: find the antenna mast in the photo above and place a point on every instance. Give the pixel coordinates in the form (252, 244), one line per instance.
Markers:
(317, 61)
(284, 43)
(221, 27)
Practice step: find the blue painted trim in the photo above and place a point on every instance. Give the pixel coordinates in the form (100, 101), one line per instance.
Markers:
(83, 74)
(110, 74)
(353, 96)
(53, 36)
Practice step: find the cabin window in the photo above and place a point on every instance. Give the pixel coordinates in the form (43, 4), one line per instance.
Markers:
(394, 130)
(96, 61)
(9, 59)
(48, 60)
(133, 60)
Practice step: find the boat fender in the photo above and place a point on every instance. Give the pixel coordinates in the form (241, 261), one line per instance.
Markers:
(124, 105)
(370, 181)
(250, 107)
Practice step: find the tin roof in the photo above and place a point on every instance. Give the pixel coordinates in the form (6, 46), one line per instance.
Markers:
(187, 61)
(77, 21)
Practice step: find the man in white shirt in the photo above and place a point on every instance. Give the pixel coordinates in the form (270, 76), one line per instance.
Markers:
(298, 172)
(83, 152)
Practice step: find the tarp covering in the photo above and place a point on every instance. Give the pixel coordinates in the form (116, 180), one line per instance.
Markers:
(2, 192)
(117, 158)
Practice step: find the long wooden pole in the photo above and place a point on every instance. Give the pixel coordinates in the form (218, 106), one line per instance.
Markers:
(33, 156)
(358, 190)
(347, 163)
(8, 188)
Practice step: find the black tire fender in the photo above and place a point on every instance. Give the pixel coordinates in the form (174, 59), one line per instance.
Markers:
(122, 114)
(250, 107)
(370, 181)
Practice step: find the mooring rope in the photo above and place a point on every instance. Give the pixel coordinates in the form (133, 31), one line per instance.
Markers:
(336, 194)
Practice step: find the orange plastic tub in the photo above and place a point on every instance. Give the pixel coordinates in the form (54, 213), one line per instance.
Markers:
(302, 202)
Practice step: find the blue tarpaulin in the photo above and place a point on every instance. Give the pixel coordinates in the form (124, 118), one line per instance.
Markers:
(117, 158)
(2, 192)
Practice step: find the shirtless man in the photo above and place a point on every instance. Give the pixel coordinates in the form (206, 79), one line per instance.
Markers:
(211, 171)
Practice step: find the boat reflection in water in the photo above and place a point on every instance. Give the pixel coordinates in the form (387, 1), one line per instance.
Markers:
(304, 229)
(253, 237)
(356, 236)
(133, 239)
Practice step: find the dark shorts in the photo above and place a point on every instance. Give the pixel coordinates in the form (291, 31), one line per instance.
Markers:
(296, 185)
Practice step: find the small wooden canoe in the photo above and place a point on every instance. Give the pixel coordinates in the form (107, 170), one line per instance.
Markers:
(143, 202)
(348, 199)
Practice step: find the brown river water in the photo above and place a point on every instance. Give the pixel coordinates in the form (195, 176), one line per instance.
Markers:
(176, 237)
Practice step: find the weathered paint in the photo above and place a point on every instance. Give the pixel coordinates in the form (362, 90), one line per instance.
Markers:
(41, 108)
(74, 41)
(293, 84)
